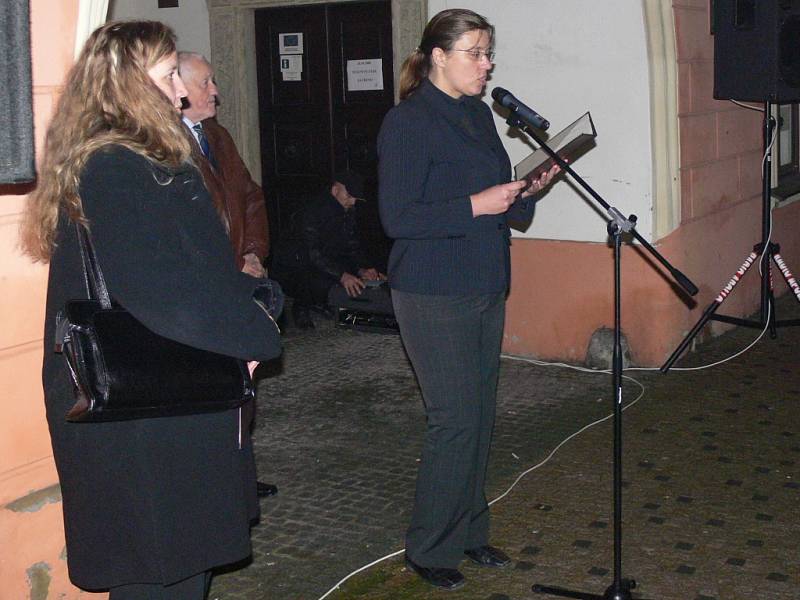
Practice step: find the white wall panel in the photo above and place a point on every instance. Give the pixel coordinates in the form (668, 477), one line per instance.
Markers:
(563, 58)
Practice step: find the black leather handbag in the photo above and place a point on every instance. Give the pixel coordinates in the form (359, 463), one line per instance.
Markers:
(121, 370)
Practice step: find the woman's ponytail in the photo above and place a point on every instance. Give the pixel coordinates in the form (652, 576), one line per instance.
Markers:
(415, 68)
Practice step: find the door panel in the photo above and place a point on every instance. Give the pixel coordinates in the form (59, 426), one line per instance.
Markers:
(294, 115)
(317, 126)
(361, 31)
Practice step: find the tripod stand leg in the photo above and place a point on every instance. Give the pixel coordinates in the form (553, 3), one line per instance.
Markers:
(564, 593)
(791, 282)
(787, 275)
(614, 592)
(708, 313)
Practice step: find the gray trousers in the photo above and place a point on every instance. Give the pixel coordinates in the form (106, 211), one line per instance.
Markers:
(454, 346)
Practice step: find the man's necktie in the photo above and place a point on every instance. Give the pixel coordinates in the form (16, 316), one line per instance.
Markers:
(203, 141)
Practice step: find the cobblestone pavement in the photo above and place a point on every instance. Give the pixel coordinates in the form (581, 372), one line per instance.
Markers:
(711, 475)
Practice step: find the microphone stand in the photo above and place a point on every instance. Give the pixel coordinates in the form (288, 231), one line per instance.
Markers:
(617, 225)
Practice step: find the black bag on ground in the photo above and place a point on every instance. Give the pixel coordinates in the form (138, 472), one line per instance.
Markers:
(372, 310)
(121, 370)
(375, 299)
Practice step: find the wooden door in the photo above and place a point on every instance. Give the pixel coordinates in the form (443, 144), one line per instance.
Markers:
(327, 117)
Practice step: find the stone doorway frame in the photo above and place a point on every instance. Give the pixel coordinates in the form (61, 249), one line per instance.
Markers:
(232, 29)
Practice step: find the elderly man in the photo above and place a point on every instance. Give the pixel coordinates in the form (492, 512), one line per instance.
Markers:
(237, 198)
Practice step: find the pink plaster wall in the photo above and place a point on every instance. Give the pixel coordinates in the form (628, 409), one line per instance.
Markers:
(32, 531)
(563, 291)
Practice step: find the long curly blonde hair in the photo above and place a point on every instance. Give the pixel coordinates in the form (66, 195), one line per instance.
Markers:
(108, 99)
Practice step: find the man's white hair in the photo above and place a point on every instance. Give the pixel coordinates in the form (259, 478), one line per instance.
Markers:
(185, 56)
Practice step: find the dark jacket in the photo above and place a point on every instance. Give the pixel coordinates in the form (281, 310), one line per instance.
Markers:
(323, 237)
(328, 234)
(154, 500)
(435, 151)
(238, 199)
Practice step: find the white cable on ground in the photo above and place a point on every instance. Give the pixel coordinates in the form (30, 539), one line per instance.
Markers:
(524, 473)
(577, 433)
(719, 362)
(357, 571)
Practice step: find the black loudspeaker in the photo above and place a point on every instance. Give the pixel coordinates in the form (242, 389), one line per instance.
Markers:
(757, 50)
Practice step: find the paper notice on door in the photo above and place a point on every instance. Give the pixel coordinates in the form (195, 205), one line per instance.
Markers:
(364, 75)
(291, 67)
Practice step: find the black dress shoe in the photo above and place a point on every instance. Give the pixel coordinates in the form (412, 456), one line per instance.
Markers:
(445, 579)
(265, 489)
(488, 556)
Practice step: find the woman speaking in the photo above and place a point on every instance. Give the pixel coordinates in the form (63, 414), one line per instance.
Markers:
(445, 196)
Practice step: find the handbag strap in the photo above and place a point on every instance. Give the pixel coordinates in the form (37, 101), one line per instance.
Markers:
(93, 276)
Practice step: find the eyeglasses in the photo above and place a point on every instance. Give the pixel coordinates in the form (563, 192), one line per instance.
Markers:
(477, 54)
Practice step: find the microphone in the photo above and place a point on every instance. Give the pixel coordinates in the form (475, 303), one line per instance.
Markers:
(507, 99)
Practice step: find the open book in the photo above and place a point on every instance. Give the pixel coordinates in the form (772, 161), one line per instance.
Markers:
(569, 143)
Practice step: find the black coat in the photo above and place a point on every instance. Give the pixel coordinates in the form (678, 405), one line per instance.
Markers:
(328, 234)
(154, 500)
(322, 238)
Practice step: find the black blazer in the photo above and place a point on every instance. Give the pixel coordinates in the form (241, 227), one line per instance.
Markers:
(435, 151)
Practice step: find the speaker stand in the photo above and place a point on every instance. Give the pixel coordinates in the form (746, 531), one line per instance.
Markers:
(768, 251)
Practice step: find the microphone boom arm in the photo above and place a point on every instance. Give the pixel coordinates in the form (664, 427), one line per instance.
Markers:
(515, 120)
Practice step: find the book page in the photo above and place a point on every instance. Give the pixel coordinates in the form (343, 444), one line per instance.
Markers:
(570, 143)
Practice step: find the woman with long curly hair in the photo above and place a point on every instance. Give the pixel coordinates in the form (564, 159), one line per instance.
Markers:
(150, 505)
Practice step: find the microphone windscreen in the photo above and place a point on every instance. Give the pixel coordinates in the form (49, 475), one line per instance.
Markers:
(499, 93)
